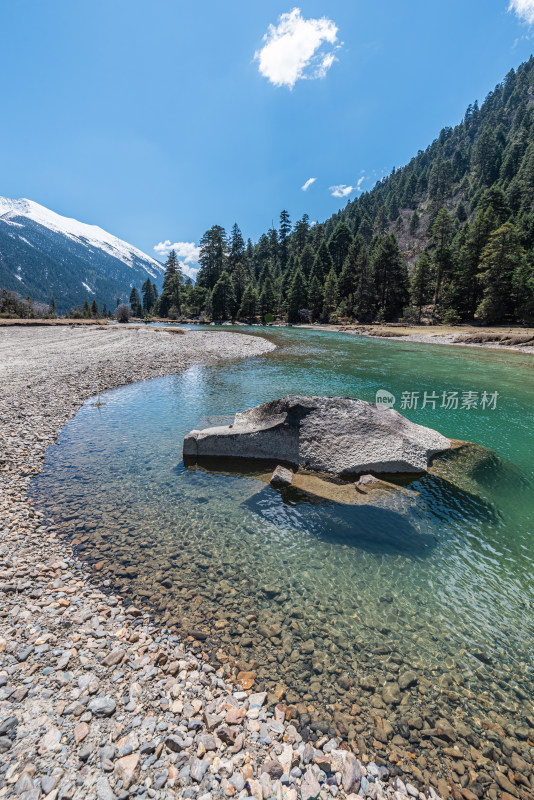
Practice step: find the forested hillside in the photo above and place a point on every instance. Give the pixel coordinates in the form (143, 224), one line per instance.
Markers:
(449, 237)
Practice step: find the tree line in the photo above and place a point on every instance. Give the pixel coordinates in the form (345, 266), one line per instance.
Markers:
(449, 237)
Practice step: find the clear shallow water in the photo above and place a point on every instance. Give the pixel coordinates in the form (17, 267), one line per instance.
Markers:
(314, 598)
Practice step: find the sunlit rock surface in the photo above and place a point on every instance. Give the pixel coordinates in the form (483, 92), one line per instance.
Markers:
(335, 435)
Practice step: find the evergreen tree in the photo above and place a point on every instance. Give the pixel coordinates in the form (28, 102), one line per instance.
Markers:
(365, 298)
(316, 298)
(323, 262)
(249, 303)
(442, 232)
(298, 296)
(339, 244)
(236, 255)
(330, 294)
(147, 290)
(422, 283)
(391, 277)
(135, 302)
(94, 309)
(283, 237)
(213, 256)
(171, 294)
(267, 298)
(52, 306)
(223, 302)
(414, 223)
(306, 261)
(87, 308)
(348, 277)
(300, 236)
(501, 262)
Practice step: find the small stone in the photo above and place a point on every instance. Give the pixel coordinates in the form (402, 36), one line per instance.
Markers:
(80, 732)
(126, 769)
(48, 784)
(51, 741)
(407, 679)
(274, 769)
(391, 694)
(113, 658)
(281, 477)
(175, 743)
(102, 706)
(310, 787)
(198, 769)
(104, 790)
(23, 654)
(351, 774)
(444, 730)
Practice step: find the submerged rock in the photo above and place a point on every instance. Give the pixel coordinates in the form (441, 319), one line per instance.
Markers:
(336, 435)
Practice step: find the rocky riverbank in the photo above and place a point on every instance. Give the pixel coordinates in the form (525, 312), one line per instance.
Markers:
(96, 699)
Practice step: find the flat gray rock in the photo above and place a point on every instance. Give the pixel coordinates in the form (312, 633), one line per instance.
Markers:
(336, 435)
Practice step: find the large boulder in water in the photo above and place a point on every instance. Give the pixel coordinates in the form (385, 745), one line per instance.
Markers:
(336, 435)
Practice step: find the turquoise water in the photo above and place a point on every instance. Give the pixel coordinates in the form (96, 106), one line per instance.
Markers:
(310, 596)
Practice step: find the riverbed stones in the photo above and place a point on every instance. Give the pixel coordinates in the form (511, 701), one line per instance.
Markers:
(281, 477)
(337, 435)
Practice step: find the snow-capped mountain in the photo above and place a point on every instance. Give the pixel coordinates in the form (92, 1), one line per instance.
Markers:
(43, 253)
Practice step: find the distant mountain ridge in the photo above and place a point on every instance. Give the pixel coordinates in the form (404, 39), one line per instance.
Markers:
(43, 254)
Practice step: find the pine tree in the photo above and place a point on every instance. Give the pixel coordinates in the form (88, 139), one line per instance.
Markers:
(316, 298)
(135, 302)
(171, 294)
(213, 256)
(391, 277)
(147, 290)
(249, 303)
(94, 309)
(301, 232)
(306, 260)
(501, 261)
(267, 298)
(365, 298)
(323, 262)
(52, 306)
(331, 294)
(348, 277)
(223, 303)
(87, 308)
(298, 296)
(339, 244)
(414, 223)
(441, 233)
(421, 282)
(283, 238)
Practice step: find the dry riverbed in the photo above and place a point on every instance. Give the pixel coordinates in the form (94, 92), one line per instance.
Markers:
(96, 699)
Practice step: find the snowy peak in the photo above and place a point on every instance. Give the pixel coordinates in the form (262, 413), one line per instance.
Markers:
(43, 254)
(12, 210)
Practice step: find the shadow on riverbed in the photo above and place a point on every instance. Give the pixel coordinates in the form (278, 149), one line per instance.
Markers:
(375, 529)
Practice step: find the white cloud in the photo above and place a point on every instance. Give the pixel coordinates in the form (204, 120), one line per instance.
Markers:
(186, 250)
(341, 190)
(308, 183)
(524, 10)
(296, 49)
(359, 183)
(189, 272)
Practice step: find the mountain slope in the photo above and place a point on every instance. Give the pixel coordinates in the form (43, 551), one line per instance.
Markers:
(43, 253)
(452, 233)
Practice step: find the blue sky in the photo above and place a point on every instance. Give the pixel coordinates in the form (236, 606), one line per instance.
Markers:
(156, 120)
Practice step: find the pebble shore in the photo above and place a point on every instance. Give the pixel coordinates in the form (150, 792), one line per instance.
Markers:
(97, 700)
